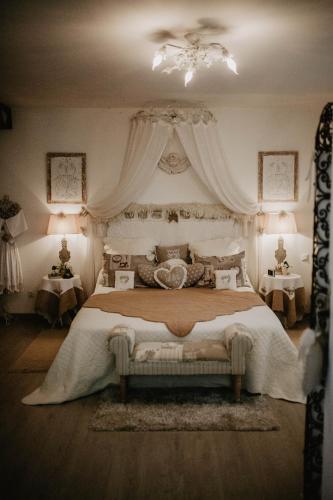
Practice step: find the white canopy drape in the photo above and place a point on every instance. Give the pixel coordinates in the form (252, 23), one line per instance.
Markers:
(146, 144)
(150, 131)
(198, 134)
(203, 148)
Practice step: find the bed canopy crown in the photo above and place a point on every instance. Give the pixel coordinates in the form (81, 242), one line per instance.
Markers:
(175, 115)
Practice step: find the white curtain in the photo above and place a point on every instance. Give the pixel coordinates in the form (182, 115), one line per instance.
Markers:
(149, 134)
(203, 148)
(146, 144)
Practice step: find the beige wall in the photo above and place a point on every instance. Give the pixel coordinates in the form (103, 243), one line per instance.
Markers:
(103, 134)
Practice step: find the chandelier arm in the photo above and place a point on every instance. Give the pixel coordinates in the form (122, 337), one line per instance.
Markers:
(175, 46)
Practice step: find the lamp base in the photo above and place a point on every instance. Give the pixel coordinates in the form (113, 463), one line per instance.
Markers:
(280, 252)
(64, 254)
(280, 256)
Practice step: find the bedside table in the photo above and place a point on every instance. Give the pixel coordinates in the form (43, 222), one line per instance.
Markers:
(58, 298)
(285, 295)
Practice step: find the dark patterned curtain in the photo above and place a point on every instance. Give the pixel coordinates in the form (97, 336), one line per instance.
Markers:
(320, 313)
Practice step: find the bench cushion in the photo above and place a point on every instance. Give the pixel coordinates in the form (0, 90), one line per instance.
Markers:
(205, 350)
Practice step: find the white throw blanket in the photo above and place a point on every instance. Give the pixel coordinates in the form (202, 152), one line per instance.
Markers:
(84, 365)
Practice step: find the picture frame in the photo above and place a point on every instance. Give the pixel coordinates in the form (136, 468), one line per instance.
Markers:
(277, 176)
(66, 178)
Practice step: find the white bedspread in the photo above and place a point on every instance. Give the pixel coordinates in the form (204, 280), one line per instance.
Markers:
(84, 365)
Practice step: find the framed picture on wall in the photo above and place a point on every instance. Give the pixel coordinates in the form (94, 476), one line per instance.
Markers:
(66, 178)
(278, 176)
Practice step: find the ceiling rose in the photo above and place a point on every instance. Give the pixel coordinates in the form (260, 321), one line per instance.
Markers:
(192, 56)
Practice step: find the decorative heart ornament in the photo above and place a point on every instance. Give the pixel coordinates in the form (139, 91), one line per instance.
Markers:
(172, 278)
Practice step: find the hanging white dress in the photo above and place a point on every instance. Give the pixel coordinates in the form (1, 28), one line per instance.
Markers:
(11, 277)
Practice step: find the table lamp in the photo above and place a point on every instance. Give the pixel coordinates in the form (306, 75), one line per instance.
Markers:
(63, 224)
(280, 223)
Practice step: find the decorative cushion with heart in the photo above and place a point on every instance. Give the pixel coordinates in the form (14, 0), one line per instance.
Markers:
(146, 273)
(172, 278)
(194, 273)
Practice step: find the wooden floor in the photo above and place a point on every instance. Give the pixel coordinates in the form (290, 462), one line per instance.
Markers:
(48, 452)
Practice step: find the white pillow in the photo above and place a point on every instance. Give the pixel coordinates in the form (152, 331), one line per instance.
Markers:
(130, 246)
(124, 280)
(226, 279)
(219, 247)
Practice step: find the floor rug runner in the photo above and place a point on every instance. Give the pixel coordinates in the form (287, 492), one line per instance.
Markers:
(182, 409)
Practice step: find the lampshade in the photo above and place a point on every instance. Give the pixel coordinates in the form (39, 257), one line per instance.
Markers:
(280, 223)
(63, 224)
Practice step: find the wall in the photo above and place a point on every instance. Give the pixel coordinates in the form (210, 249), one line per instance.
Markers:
(103, 134)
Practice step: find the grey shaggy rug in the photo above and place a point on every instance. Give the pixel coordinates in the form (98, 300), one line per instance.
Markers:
(182, 409)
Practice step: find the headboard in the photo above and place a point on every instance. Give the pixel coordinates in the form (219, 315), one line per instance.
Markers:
(173, 233)
(186, 231)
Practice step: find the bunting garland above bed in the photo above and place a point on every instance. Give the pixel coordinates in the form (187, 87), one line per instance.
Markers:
(176, 212)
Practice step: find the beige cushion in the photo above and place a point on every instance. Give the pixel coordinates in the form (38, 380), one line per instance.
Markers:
(225, 279)
(121, 262)
(212, 264)
(124, 280)
(173, 252)
(204, 350)
(158, 351)
(146, 273)
(171, 278)
(194, 273)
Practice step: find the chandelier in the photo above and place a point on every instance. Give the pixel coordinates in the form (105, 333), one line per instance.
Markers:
(193, 56)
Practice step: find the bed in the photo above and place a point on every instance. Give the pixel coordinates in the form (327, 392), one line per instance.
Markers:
(84, 365)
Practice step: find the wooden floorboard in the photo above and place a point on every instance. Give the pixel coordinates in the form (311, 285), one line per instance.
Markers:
(49, 452)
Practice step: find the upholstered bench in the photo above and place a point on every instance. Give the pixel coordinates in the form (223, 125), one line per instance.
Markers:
(176, 358)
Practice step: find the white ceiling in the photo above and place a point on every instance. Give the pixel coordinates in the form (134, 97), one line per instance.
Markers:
(98, 53)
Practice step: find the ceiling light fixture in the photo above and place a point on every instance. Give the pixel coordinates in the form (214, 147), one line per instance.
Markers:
(191, 57)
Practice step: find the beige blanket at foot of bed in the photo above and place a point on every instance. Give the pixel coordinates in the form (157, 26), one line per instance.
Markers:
(180, 309)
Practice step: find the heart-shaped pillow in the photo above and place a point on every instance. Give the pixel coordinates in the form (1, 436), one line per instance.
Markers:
(172, 278)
